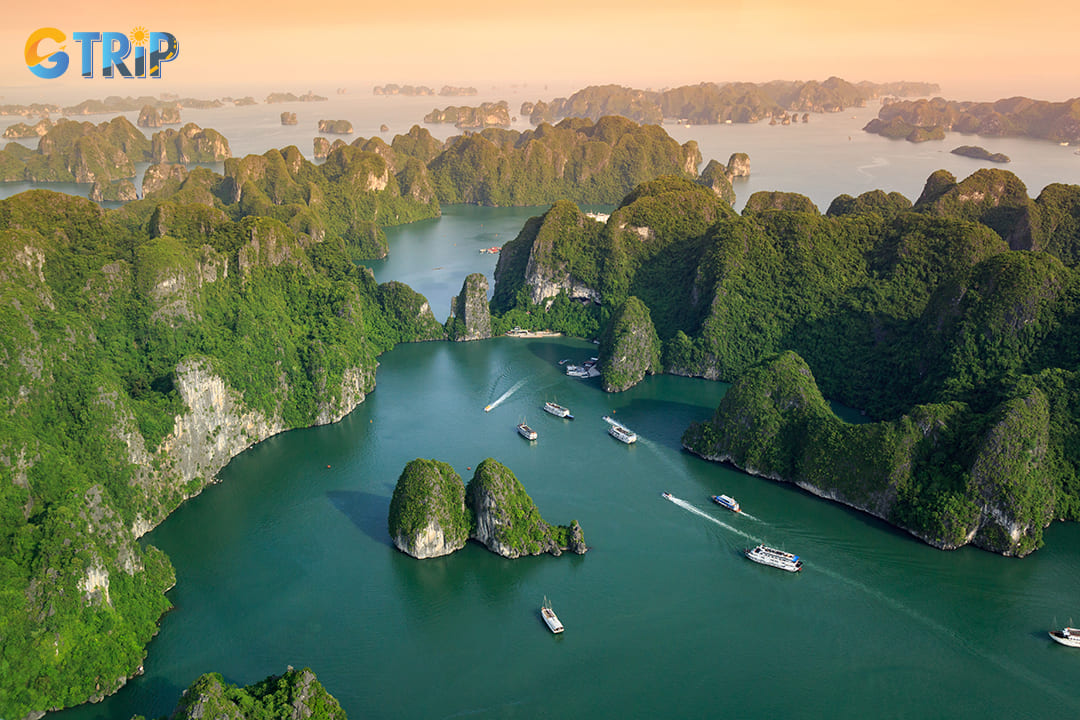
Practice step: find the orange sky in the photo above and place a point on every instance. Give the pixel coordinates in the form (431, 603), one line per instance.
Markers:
(974, 49)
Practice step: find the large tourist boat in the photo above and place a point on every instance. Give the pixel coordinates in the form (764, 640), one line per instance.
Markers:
(550, 618)
(558, 410)
(622, 434)
(525, 431)
(727, 501)
(1066, 636)
(776, 558)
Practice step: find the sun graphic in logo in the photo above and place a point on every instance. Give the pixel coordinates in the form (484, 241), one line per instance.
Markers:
(139, 36)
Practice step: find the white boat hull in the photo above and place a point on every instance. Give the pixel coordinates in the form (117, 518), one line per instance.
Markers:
(551, 620)
(774, 558)
(1070, 639)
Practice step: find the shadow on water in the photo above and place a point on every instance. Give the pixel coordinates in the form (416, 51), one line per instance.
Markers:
(152, 696)
(554, 349)
(366, 511)
(662, 421)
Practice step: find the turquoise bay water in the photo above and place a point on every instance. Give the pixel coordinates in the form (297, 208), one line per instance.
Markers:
(288, 561)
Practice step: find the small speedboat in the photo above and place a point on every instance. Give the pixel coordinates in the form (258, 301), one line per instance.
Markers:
(665, 495)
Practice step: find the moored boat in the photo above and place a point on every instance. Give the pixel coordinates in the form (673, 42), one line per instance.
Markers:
(727, 501)
(558, 410)
(775, 558)
(525, 431)
(550, 618)
(1066, 636)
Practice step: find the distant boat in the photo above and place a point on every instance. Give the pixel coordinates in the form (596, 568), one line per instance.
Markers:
(775, 558)
(525, 431)
(727, 501)
(558, 410)
(1066, 636)
(665, 495)
(487, 408)
(550, 618)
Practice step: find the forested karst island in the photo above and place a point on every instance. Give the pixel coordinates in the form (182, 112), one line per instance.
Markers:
(294, 695)
(433, 513)
(711, 103)
(1011, 117)
(953, 321)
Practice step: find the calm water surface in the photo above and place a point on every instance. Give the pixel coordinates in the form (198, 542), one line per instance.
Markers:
(288, 560)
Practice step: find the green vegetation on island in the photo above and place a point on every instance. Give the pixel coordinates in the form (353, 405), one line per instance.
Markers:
(82, 152)
(980, 153)
(711, 103)
(146, 346)
(432, 513)
(470, 314)
(629, 347)
(489, 114)
(964, 306)
(335, 127)
(152, 116)
(295, 695)
(578, 160)
(427, 510)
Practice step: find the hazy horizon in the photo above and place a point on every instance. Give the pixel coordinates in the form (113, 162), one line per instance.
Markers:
(974, 51)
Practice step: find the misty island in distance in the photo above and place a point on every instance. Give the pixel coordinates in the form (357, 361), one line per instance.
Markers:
(980, 153)
(421, 90)
(920, 120)
(718, 103)
(487, 115)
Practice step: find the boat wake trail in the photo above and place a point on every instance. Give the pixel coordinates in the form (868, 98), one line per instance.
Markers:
(701, 513)
(505, 395)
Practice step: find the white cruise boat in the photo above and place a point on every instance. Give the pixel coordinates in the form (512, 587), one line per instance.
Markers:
(622, 434)
(558, 410)
(525, 431)
(550, 618)
(727, 501)
(776, 558)
(1066, 636)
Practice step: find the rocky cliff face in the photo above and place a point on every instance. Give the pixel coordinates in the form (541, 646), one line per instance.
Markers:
(473, 118)
(774, 423)
(427, 511)
(154, 117)
(433, 514)
(189, 145)
(629, 348)
(119, 191)
(336, 127)
(163, 178)
(715, 177)
(506, 519)
(470, 316)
